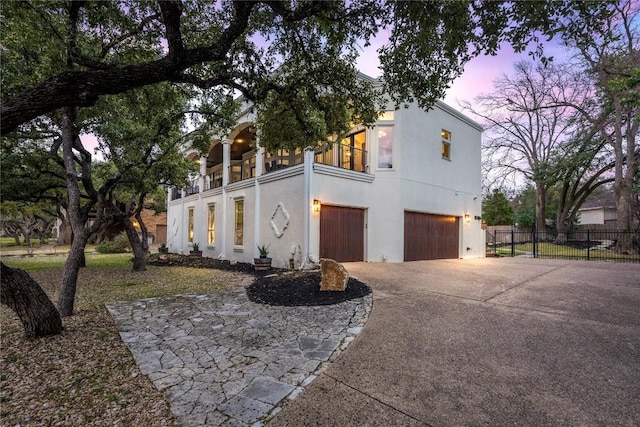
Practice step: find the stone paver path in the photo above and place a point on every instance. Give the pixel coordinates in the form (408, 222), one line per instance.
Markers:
(222, 360)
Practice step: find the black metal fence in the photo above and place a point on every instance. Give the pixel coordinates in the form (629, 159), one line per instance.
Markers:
(601, 245)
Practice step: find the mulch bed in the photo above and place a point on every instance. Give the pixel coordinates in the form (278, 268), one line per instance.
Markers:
(199, 262)
(275, 287)
(301, 289)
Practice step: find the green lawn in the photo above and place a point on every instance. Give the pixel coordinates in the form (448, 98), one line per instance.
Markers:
(108, 277)
(552, 250)
(77, 377)
(10, 242)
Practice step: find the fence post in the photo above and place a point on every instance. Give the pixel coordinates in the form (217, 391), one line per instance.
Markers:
(495, 242)
(535, 243)
(588, 245)
(513, 244)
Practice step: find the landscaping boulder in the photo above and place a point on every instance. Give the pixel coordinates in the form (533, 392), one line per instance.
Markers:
(334, 275)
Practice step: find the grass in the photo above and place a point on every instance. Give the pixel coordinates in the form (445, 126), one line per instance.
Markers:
(108, 277)
(8, 246)
(101, 261)
(86, 375)
(552, 250)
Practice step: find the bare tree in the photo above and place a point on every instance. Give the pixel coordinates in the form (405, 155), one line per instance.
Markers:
(612, 55)
(523, 133)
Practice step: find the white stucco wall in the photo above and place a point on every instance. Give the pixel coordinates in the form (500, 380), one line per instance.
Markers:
(244, 252)
(285, 196)
(420, 180)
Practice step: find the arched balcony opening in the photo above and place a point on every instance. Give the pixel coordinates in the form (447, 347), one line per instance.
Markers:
(243, 155)
(194, 186)
(214, 171)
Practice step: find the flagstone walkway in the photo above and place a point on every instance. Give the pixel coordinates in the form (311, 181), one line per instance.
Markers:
(222, 360)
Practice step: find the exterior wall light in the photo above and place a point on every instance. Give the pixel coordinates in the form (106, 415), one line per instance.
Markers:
(467, 218)
(316, 205)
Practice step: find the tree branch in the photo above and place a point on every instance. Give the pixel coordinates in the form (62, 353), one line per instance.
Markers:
(83, 88)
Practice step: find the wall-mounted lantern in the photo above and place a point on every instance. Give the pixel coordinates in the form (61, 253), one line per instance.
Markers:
(316, 205)
(467, 218)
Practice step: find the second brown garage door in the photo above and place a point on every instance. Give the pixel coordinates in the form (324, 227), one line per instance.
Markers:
(428, 236)
(341, 233)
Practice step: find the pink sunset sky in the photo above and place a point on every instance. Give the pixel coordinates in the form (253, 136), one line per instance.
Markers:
(479, 73)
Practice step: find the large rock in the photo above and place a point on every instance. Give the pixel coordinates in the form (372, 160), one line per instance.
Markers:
(334, 275)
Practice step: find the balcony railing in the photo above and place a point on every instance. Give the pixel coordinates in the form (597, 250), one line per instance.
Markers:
(214, 178)
(176, 193)
(339, 155)
(243, 169)
(343, 156)
(192, 189)
(282, 159)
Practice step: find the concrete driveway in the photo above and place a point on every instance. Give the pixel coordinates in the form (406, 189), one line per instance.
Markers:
(496, 341)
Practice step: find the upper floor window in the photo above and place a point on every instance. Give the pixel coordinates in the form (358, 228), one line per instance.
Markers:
(387, 116)
(352, 152)
(385, 147)
(446, 144)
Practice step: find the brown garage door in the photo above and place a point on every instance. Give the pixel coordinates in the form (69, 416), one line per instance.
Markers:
(429, 236)
(341, 233)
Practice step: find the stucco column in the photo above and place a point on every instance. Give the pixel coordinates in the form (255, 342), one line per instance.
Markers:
(226, 161)
(259, 159)
(306, 221)
(183, 225)
(257, 210)
(203, 173)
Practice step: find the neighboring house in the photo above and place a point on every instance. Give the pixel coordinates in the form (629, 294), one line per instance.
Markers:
(600, 210)
(156, 226)
(406, 189)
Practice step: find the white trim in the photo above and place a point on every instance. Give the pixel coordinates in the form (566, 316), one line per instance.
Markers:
(457, 114)
(212, 192)
(342, 173)
(245, 183)
(282, 173)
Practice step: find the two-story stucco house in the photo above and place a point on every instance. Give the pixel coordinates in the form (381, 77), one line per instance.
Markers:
(406, 189)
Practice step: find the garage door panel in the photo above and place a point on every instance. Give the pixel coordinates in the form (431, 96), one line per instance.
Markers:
(428, 236)
(341, 233)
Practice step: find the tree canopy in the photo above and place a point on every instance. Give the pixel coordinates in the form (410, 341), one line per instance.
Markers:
(279, 53)
(496, 209)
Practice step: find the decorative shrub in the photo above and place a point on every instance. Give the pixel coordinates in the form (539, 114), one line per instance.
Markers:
(120, 244)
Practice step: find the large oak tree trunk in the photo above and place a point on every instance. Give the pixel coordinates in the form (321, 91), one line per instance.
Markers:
(23, 295)
(76, 215)
(541, 204)
(140, 246)
(75, 261)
